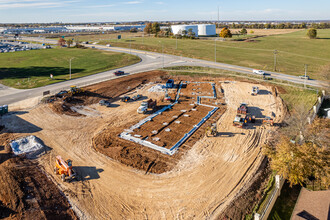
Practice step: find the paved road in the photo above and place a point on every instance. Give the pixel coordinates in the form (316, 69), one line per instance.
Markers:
(149, 61)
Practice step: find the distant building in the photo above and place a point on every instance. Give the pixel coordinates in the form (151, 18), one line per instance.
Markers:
(180, 29)
(199, 30)
(206, 30)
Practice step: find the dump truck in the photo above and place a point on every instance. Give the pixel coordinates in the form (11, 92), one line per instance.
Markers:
(242, 109)
(146, 105)
(255, 90)
(64, 168)
(75, 90)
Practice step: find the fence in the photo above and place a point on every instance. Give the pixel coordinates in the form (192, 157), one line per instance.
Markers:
(264, 211)
(313, 112)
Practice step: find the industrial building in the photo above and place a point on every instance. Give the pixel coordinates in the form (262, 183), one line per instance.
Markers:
(179, 29)
(198, 30)
(206, 30)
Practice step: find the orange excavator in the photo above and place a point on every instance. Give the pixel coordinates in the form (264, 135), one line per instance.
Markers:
(64, 168)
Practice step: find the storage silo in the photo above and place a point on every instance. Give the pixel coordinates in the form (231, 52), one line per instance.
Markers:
(178, 29)
(206, 30)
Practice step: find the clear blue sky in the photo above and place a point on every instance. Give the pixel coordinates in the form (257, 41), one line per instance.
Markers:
(168, 10)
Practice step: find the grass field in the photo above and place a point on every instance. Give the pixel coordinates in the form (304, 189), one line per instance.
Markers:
(30, 69)
(294, 50)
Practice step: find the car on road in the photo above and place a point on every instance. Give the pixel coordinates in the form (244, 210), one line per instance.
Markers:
(108, 45)
(304, 77)
(119, 73)
(259, 72)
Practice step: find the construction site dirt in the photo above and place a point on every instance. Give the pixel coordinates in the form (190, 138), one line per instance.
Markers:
(126, 180)
(26, 192)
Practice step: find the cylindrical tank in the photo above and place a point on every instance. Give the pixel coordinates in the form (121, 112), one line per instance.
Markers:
(178, 29)
(206, 30)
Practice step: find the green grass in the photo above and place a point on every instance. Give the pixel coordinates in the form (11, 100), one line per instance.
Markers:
(30, 69)
(298, 96)
(285, 203)
(294, 50)
(292, 94)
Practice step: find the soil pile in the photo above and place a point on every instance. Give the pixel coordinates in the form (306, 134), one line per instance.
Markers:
(109, 90)
(26, 192)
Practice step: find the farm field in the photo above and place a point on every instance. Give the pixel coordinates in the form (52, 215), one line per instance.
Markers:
(198, 181)
(294, 50)
(30, 69)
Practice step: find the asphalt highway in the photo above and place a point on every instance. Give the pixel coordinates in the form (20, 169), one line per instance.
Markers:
(149, 61)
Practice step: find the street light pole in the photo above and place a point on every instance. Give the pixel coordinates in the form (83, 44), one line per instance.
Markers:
(305, 75)
(130, 46)
(163, 54)
(70, 66)
(215, 50)
(176, 45)
(275, 53)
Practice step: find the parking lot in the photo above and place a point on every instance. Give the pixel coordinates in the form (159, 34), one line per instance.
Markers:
(14, 46)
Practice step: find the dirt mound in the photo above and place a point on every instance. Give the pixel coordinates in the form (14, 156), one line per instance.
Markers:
(26, 192)
(110, 90)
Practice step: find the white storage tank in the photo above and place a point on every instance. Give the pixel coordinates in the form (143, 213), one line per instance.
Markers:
(177, 29)
(206, 30)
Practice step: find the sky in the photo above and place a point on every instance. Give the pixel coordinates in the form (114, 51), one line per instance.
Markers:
(33, 11)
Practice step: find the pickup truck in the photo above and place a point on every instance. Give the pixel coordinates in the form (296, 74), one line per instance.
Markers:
(259, 72)
(304, 77)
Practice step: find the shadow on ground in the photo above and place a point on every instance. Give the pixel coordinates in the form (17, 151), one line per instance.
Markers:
(36, 71)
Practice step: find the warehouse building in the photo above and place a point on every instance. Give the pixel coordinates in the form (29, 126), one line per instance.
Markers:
(198, 30)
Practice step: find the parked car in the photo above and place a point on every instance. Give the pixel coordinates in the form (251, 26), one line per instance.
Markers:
(136, 97)
(304, 77)
(259, 72)
(105, 103)
(119, 73)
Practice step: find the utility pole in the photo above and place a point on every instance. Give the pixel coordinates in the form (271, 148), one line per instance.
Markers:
(275, 53)
(130, 45)
(163, 54)
(176, 46)
(305, 75)
(70, 66)
(215, 50)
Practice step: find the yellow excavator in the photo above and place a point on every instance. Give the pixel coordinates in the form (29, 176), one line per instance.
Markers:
(75, 90)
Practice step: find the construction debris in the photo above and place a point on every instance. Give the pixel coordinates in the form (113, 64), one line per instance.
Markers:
(30, 145)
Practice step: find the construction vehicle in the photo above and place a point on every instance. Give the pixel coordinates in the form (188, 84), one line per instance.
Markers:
(146, 105)
(268, 120)
(75, 90)
(243, 109)
(255, 90)
(125, 99)
(240, 121)
(64, 168)
(119, 73)
(212, 131)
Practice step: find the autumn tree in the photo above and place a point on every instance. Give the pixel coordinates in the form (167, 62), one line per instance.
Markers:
(297, 162)
(155, 28)
(69, 42)
(61, 42)
(148, 28)
(225, 33)
(243, 31)
(312, 33)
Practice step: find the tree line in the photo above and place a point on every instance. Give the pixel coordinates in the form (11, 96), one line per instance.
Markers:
(287, 25)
